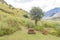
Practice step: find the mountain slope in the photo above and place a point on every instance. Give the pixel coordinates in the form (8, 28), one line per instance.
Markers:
(11, 19)
(12, 11)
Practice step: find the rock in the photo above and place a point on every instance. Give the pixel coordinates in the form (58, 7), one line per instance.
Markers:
(31, 31)
(45, 31)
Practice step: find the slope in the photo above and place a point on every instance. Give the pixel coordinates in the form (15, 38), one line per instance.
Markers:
(9, 10)
(10, 19)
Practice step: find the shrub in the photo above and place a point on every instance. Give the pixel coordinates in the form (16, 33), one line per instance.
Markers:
(57, 27)
(1, 32)
(38, 28)
(53, 32)
(30, 24)
(26, 16)
(49, 24)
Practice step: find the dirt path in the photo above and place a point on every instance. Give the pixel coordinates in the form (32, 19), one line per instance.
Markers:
(24, 29)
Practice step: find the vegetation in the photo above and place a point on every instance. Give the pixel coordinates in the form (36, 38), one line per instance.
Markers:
(18, 21)
(10, 22)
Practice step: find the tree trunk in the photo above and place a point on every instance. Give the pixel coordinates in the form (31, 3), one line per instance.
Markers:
(36, 22)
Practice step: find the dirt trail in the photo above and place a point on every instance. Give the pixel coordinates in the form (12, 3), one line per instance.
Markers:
(24, 29)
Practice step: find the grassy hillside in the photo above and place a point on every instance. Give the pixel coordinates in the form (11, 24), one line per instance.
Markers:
(10, 19)
(6, 10)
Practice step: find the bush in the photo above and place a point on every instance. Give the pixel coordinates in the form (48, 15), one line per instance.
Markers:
(1, 32)
(39, 28)
(49, 24)
(58, 30)
(26, 16)
(53, 32)
(36, 27)
(30, 24)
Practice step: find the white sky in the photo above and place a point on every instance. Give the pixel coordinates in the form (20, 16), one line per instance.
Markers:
(27, 4)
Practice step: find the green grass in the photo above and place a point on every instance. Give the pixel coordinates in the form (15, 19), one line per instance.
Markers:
(21, 35)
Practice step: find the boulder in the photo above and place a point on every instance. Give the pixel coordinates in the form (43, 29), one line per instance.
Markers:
(31, 31)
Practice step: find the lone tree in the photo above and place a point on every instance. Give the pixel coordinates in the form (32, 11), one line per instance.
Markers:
(36, 14)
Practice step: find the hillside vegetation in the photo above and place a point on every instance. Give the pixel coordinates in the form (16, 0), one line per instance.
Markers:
(10, 19)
